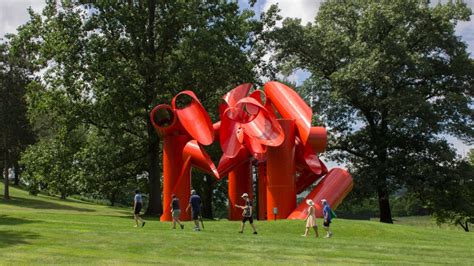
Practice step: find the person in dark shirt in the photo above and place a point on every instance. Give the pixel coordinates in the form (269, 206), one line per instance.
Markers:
(195, 205)
(327, 217)
(246, 213)
(175, 211)
(137, 207)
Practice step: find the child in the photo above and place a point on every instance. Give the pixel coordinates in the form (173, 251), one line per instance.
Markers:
(247, 213)
(311, 218)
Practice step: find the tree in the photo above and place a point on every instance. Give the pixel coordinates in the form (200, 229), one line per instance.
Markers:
(452, 200)
(389, 78)
(15, 133)
(114, 61)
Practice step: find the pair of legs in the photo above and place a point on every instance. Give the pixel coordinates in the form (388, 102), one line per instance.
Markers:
(176, 214)
(326, 227)
(138, 218)
(242, 225)
(196, 221)
(315, 228)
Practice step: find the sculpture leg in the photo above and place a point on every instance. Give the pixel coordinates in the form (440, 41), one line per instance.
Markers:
(281, 171)
(173, 146)
(240, 181)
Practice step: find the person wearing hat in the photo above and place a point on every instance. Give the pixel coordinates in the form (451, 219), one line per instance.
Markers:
(327, 217)
(175, 211)
(247, 213)
(195, 205)
(311, 218)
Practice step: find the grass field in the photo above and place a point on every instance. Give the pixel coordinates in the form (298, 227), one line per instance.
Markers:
(45, 230)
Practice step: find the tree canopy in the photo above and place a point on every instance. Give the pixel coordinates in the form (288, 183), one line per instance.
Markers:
(389, 78)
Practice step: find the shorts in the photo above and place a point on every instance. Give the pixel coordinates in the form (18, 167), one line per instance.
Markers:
(195, 215)
(250, 219)
(138, 208)
(326, 224)
(176, 213)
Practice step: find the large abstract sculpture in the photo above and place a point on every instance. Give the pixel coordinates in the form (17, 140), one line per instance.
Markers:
(270, 129)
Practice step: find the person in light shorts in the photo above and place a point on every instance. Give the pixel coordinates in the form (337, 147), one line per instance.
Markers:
(175, 211)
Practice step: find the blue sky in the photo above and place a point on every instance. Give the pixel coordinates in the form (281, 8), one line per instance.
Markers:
(13, 13)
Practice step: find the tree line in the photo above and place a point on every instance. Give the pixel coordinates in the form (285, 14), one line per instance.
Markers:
(389, 79)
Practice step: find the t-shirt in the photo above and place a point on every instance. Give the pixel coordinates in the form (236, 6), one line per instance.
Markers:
(248, 206)
(138, 198)
(175, 204)
(327, 212)
(195, 202)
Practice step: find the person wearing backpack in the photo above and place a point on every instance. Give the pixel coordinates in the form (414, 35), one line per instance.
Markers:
(327, 217)
(247, 213)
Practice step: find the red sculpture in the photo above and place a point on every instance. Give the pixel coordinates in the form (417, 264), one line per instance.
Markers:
(271, 128)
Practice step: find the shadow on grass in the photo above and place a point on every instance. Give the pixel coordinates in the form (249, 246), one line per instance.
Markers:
(7, 220)
(41, 204)
(9, 238)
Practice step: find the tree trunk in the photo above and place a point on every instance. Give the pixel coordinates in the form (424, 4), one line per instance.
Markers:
(384, 206)
(154, 205)
(207, 198)
(17, 174)
(154, 183)
(6, 190)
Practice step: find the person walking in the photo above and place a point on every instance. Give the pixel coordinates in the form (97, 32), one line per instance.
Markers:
(327, 217)
(175, 212)
(195, 205)
(137, 207)
(311, 218)
(247, 213)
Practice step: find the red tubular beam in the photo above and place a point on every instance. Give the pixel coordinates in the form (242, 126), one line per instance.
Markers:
(290, 105)
(281, 190)
(305, 179)
(227, 164)
(240, 181)
(318, 139)
(173, 146)
(164, 120)
(262, 191)
(199, 158)
(194, 118)
(334, 187)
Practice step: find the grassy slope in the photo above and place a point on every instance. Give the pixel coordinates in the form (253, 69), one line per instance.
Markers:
(45, 230)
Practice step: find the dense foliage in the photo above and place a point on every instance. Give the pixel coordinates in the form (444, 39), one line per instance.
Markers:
(389, 78)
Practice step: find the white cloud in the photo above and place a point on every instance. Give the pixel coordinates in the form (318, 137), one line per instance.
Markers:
(304, 9)
(13, 13)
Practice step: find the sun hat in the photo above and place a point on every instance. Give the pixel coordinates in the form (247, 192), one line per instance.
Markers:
(323, 200)
(309, 202)
(245, 195)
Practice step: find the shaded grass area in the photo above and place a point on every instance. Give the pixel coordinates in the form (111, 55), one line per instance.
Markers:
(44, 230)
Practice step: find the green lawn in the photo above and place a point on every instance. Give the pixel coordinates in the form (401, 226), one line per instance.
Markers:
(45, 230)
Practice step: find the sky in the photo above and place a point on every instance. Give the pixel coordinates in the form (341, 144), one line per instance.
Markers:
(13, 13)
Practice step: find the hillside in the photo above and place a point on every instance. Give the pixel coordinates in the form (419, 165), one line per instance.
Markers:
(45, 230)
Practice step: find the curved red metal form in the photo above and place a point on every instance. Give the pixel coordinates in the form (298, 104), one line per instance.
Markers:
(194, 117)
(164, 120)
(199, 158)
(317, 139)
(290, 106)
(250, 132)
(334, 187)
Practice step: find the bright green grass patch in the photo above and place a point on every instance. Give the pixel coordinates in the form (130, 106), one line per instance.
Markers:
(44, 230)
